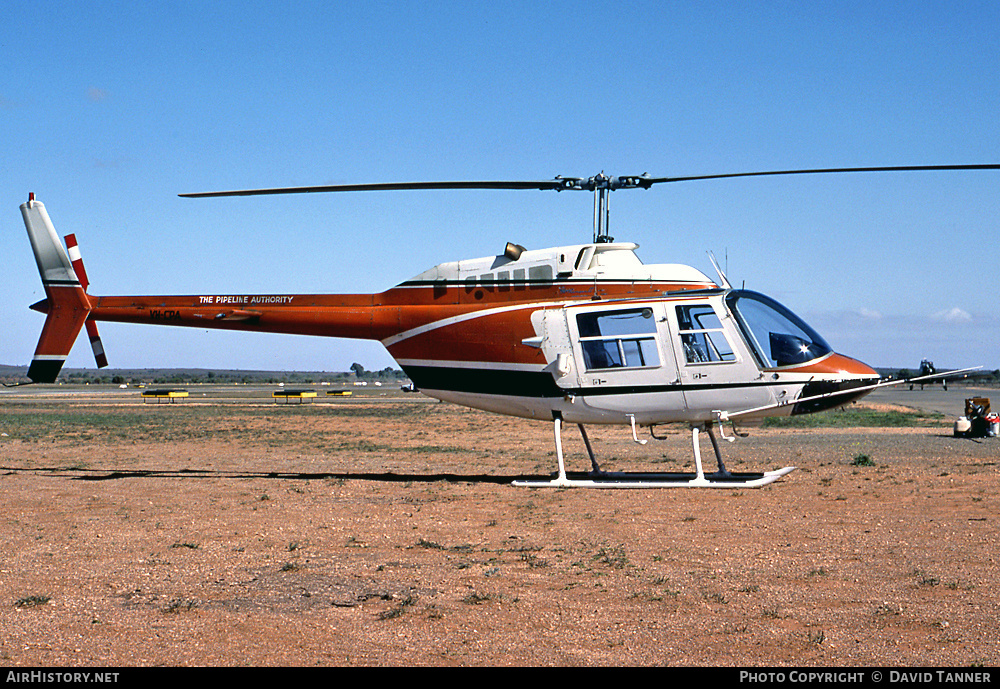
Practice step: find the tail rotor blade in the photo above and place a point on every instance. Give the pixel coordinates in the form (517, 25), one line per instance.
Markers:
(76, 259)
(95, 343)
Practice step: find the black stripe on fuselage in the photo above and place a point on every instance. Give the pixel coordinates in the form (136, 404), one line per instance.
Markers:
(484, 381)
(539, 383)
(544, 282)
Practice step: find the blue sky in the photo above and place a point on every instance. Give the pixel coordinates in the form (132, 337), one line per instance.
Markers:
(109, 110)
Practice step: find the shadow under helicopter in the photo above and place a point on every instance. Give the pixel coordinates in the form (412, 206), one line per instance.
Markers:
(83, 474)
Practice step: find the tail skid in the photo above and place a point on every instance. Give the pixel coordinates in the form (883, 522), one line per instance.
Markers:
(67, 305)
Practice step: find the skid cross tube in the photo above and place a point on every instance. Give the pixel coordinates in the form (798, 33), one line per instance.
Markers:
(597, 478)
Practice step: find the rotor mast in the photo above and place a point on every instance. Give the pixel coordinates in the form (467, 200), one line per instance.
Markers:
(601, 184)
(602, 215)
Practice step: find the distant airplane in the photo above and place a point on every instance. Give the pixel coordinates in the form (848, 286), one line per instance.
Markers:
(927, 369)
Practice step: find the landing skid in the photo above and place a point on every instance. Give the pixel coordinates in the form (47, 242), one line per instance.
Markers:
(620, 479)
(615, 479)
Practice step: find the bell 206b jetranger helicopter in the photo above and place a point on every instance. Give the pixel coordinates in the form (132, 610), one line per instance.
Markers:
(582, 334)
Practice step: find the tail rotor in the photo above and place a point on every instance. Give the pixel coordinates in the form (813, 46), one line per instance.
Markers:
(81, 273)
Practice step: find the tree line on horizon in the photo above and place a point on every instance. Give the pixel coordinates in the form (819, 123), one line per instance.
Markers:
(79, 376)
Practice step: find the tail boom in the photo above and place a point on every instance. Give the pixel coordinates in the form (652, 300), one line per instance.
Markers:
(354, 316)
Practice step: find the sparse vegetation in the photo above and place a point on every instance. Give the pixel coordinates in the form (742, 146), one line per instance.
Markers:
(266, 425)
(424, 543)
(817, 637)
(32, 601)
(398, 609)
(771, 612)
(862, 459)
(178, 605)
(475, 598)
(614, 557)
(533, 560)
(857, 416)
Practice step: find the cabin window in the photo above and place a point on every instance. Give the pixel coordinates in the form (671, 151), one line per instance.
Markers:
(702, 335)
(518, 278)
(538, 276)
(618, 339)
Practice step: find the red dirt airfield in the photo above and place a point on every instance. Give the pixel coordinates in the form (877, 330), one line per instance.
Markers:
(381, 529)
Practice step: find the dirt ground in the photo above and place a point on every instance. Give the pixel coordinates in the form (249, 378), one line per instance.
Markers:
(383, 531)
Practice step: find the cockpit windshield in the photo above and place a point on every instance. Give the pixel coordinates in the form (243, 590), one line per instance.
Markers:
(778, 336)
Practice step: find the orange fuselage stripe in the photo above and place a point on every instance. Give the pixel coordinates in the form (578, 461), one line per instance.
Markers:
(369, 316)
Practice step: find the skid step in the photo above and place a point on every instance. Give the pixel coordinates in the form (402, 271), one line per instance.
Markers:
(653, 480)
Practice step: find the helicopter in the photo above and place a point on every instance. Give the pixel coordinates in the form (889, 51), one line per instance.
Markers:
(579, 334)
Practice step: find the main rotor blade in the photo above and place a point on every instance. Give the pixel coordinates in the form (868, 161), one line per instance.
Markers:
(557, 183)
(894, 168)
(598, 182)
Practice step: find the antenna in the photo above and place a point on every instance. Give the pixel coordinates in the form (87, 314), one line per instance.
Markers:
(722, 276)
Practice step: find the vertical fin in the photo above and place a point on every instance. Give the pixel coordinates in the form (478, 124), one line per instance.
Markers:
(67, 305)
